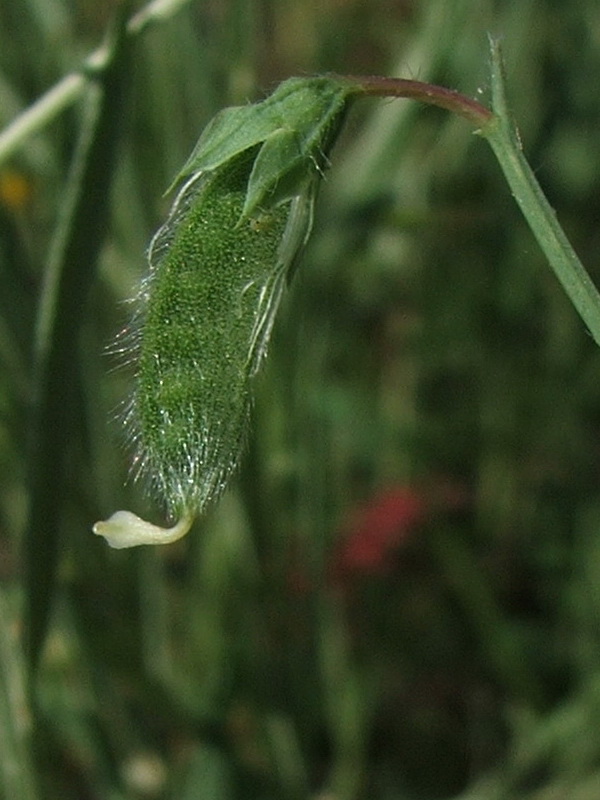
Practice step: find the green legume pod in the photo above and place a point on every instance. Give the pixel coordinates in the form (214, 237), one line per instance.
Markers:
(206, 311)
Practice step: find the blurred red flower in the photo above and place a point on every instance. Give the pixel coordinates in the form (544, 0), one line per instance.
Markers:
(375, 529)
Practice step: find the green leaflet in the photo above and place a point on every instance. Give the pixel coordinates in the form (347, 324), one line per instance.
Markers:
(217, 270)
(295, 127)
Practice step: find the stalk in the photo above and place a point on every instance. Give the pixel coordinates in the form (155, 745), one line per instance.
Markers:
(541, 218)
(496, 126)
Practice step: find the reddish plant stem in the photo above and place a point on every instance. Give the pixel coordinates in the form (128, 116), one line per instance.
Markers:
(439, 96)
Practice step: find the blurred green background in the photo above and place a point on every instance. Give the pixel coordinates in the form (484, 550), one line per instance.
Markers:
(399, 598)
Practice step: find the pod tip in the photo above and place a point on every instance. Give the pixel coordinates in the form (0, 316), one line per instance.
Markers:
(124, 529)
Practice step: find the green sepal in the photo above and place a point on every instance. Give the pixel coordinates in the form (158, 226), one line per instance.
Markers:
(295, 126)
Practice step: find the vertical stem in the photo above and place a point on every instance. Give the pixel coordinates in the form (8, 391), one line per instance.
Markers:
(504, 141)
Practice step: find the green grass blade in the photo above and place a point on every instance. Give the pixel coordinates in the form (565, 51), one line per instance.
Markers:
(69, 274)
(16, 767)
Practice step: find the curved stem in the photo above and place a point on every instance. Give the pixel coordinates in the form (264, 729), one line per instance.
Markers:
(429, 93)
(496, 126)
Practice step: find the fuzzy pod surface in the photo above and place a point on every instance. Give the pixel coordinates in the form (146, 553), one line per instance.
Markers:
(206, 311)
(206, 308)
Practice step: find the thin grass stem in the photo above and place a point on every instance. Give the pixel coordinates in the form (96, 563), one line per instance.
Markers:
(70, 88)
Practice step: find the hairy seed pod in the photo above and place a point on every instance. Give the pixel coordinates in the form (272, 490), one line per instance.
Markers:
(207, 310)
